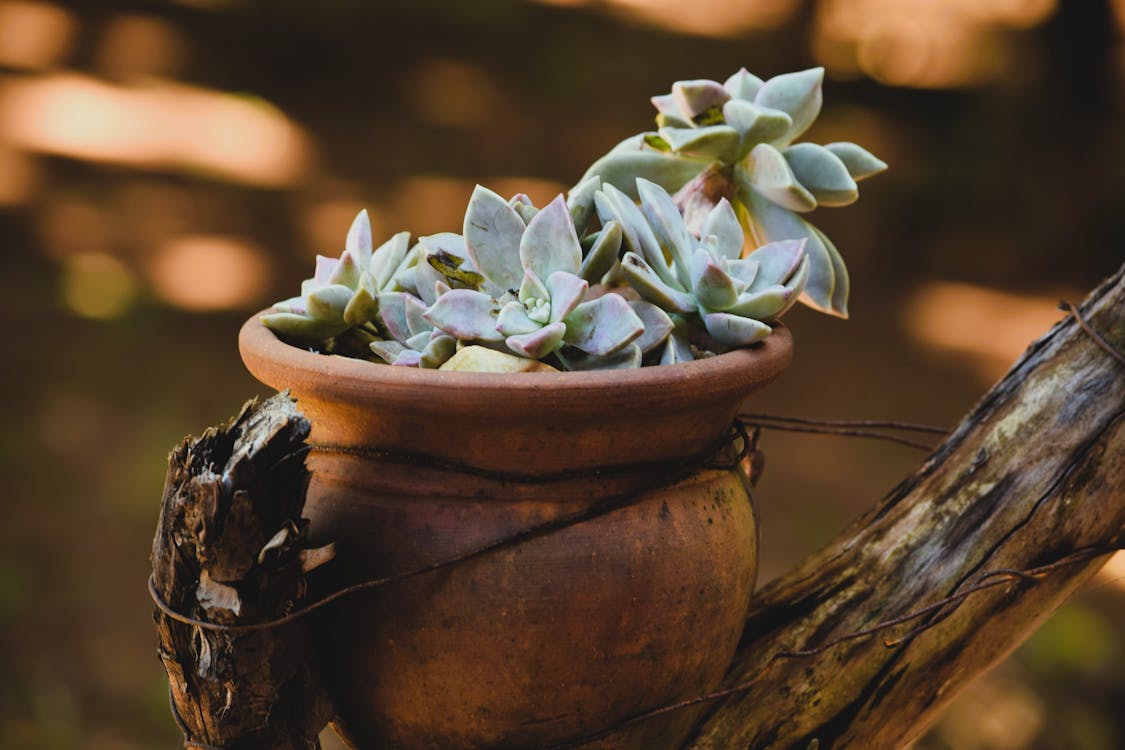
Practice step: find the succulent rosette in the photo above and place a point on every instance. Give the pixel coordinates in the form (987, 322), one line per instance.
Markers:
(532, 296)
(741, 133)
(703, 278)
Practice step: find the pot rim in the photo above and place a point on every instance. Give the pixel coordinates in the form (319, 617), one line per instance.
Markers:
(260, 347)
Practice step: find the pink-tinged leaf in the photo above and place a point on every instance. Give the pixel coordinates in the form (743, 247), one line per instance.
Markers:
(772, 178)
(656, 322)
(777, 262)
(392, 311)
(359, 244)
(325, 267)
(388, 351)
(416, 321)
(567, 290)
(735, 331)
(603, 326)
(550, 243)
(538, 344)
(638, 237)
(493, 229)
(722, 222)
(627, 358)
(513, 320)
(696, 97)
(466, 315)
(408, 358)
(650, 286)
(712, 286)
(532, 288)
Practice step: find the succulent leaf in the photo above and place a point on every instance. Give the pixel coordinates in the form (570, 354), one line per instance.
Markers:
(734, 330)
(657, 323)
(777, 261)
(466, 315)
(822, 173)
(668, 227)
(329, 302)
(539, 343)
(408, 358)
(838, 304)
(710, 284)
(743, 85)
(302, 328)
(763, 305)
(388, 351)
(603, 326)
(798, 95)
(513, 320)
(719, 142)
(388, 259)
(532, 288)
(358, 243)
(437, 351)
(567, 290)
(638, 237)
(626, 359)
(550, 243)
(580, 202)
(771, 177)
(694, 98)
(604, 253)
(362, 307)
(860, 163)
(677, 348)
(392, 311)
(622, 168)
(492, 237)
(755, 124)
(650, 286)
(722, 222)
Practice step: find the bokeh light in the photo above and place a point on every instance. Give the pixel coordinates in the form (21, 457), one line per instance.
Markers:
(34, 35)
(97, 285)
(206, 273)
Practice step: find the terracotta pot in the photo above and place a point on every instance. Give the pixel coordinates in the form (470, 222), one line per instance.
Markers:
(562, 635)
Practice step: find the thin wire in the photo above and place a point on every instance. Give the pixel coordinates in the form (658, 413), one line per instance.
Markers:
(856, 423)
(1097, 337)
(831, 430)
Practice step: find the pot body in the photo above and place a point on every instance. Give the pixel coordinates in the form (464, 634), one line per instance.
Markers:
(638, 605)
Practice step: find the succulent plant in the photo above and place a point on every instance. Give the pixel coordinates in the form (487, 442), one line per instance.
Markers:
(620, 272)
(704, 277)
(531, 295)
(740, 136)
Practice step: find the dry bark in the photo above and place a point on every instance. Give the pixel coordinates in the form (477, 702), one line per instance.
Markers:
(1034, 474)
(229, 549)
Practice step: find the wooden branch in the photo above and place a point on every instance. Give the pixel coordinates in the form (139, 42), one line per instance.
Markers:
(230, 550)
(1034, 475)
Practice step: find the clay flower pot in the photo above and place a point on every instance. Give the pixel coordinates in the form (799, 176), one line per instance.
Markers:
(559, 636)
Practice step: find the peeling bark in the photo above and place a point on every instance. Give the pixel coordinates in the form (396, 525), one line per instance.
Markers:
(230, 549)
(1033, 474)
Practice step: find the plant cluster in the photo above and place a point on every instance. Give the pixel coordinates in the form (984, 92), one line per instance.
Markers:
(678, 244)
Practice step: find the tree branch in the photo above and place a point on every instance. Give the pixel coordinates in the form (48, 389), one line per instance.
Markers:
(1033, 476)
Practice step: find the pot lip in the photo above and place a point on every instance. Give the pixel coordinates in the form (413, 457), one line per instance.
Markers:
(268, 357)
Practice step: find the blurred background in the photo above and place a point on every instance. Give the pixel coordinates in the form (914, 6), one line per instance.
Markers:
(167, 168)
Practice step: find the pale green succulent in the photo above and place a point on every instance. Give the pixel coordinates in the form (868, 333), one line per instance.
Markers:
(703, 279)
(740, 134)
(530, 294)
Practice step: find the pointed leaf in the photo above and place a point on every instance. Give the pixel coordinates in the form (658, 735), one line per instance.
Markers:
(416, 321)
(677, 349)
(580, 202)
(418, 341)
(302, 328)
(567, 290)
(765, 305)
(645, 281)
(711, 285)
(622, 168)
(325, 268)
(694, 98)
(771, 176)
(722, 222)
(603, 254)
(858, 160)
(465, 315)
(713, 142)
(329, 303)
(668, 227)
(388, 258)
(392, 311)
(387, 351)
(822, 173)
(743, 270)
(538, 344)
(838, 305)
(513, 320)
(743, 85)
(408, 358)
(346, 272)
(358, 243)
(777, 261)
(361, 308)
(602, 326)
(532, 288)
(735, 331)
(439, 349)
(797, 95)
(796, 287)
(492, 237)
(638, 237)
(550, 243)
(756, 124)
(658, 325)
